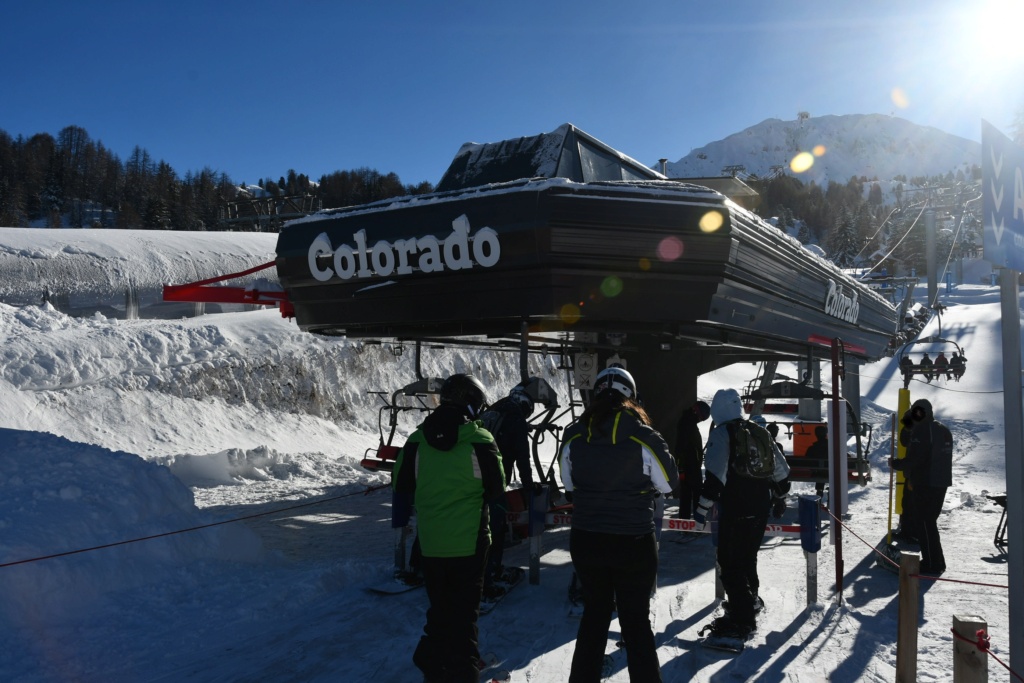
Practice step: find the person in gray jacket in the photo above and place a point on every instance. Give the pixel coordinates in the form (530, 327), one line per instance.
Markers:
(613, 465)
(743, 507)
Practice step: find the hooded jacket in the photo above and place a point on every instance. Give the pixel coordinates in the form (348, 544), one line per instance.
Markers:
(614, 470)
(929, 459)
(513, 439)
(738, 496)
(451, 469)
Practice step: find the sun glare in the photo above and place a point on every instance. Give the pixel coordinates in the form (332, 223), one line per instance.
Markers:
(987, 39)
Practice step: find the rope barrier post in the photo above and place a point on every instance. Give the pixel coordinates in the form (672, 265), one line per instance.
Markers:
(906, 621)
(538, 506)
(810, 541)
(970, 665)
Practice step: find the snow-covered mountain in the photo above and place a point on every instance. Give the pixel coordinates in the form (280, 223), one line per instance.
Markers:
(871, 145)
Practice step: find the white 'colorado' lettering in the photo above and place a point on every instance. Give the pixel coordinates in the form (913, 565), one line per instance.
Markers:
(841, 306)
(458, 251)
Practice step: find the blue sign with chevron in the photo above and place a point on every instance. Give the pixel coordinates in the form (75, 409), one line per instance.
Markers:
(1002, 171)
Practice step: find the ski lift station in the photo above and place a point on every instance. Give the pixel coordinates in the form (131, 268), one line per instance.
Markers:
(559, 243)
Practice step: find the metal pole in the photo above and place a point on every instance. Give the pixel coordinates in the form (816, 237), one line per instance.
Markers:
(1013, 414)
(838, 447)
(524, 351)
(929, 245)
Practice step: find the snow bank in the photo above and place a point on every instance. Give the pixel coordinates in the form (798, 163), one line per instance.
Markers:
(61, 496)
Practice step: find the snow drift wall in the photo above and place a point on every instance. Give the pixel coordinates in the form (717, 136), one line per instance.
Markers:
(121, 273)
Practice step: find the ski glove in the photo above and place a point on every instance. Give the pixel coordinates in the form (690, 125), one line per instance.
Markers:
(700, 515)
(778, 507)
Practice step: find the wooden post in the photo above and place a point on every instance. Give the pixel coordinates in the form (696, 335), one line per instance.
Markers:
(906, 621)
(970, 665)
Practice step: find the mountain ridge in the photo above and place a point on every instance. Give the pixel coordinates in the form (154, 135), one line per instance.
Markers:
(876, 146)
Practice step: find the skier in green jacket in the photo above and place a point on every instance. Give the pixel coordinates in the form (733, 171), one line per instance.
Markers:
(451, 469)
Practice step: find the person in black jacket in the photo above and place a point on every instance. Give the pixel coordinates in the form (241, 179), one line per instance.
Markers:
(908, 525)
(927, 367)
(613, 465)
(928, 467)
(511, 433)
(690, 456)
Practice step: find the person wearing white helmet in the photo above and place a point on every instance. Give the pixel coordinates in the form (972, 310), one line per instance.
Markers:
(613, 465)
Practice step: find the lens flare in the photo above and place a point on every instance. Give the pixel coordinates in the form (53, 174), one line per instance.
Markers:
(569, 314)
(611, 286)
(711, 221)
(819, 150)
(644, 263)
(670, 248)
(802, 162)
(899, 98)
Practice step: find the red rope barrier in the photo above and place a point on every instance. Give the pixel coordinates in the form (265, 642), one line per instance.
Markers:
(969, 583)
(194, 528)
(896, 564)
(983, 643)
(873, 548)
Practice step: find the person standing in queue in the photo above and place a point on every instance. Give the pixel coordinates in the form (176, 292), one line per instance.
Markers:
(506, 420)
(743, 507)
(452, 469)
(929, 471)
(690, 456)
(613, 465)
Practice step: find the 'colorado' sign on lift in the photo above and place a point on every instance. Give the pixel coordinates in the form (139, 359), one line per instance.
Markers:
(458, 251)
(841, 306)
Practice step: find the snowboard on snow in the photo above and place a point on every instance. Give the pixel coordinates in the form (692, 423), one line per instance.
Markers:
(511, 577)
(889, 550)
(723, 644)
(402, 582)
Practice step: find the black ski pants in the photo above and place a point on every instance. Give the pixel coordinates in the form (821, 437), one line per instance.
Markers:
(617, 573)
(499, 529)
(448, 650)
(689, 485)
(739, 539)
(928, 506)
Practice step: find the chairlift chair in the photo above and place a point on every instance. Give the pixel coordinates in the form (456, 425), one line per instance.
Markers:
(937, 344)
(386, 453)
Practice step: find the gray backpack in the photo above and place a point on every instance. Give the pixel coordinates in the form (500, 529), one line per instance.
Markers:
(752, 450)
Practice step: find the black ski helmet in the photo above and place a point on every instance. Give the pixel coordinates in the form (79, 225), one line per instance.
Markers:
(466, 392)
(615, 378)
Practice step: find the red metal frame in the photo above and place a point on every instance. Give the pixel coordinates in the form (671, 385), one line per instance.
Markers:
(200, 292)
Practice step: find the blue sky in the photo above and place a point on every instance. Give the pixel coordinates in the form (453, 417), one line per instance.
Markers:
(252, 89)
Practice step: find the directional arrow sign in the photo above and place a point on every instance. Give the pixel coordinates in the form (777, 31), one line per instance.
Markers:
(1002, 170)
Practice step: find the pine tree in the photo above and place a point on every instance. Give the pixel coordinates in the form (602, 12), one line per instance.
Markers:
(842, 240)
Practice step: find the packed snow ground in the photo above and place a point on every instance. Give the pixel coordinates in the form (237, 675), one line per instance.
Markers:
(115, 430)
